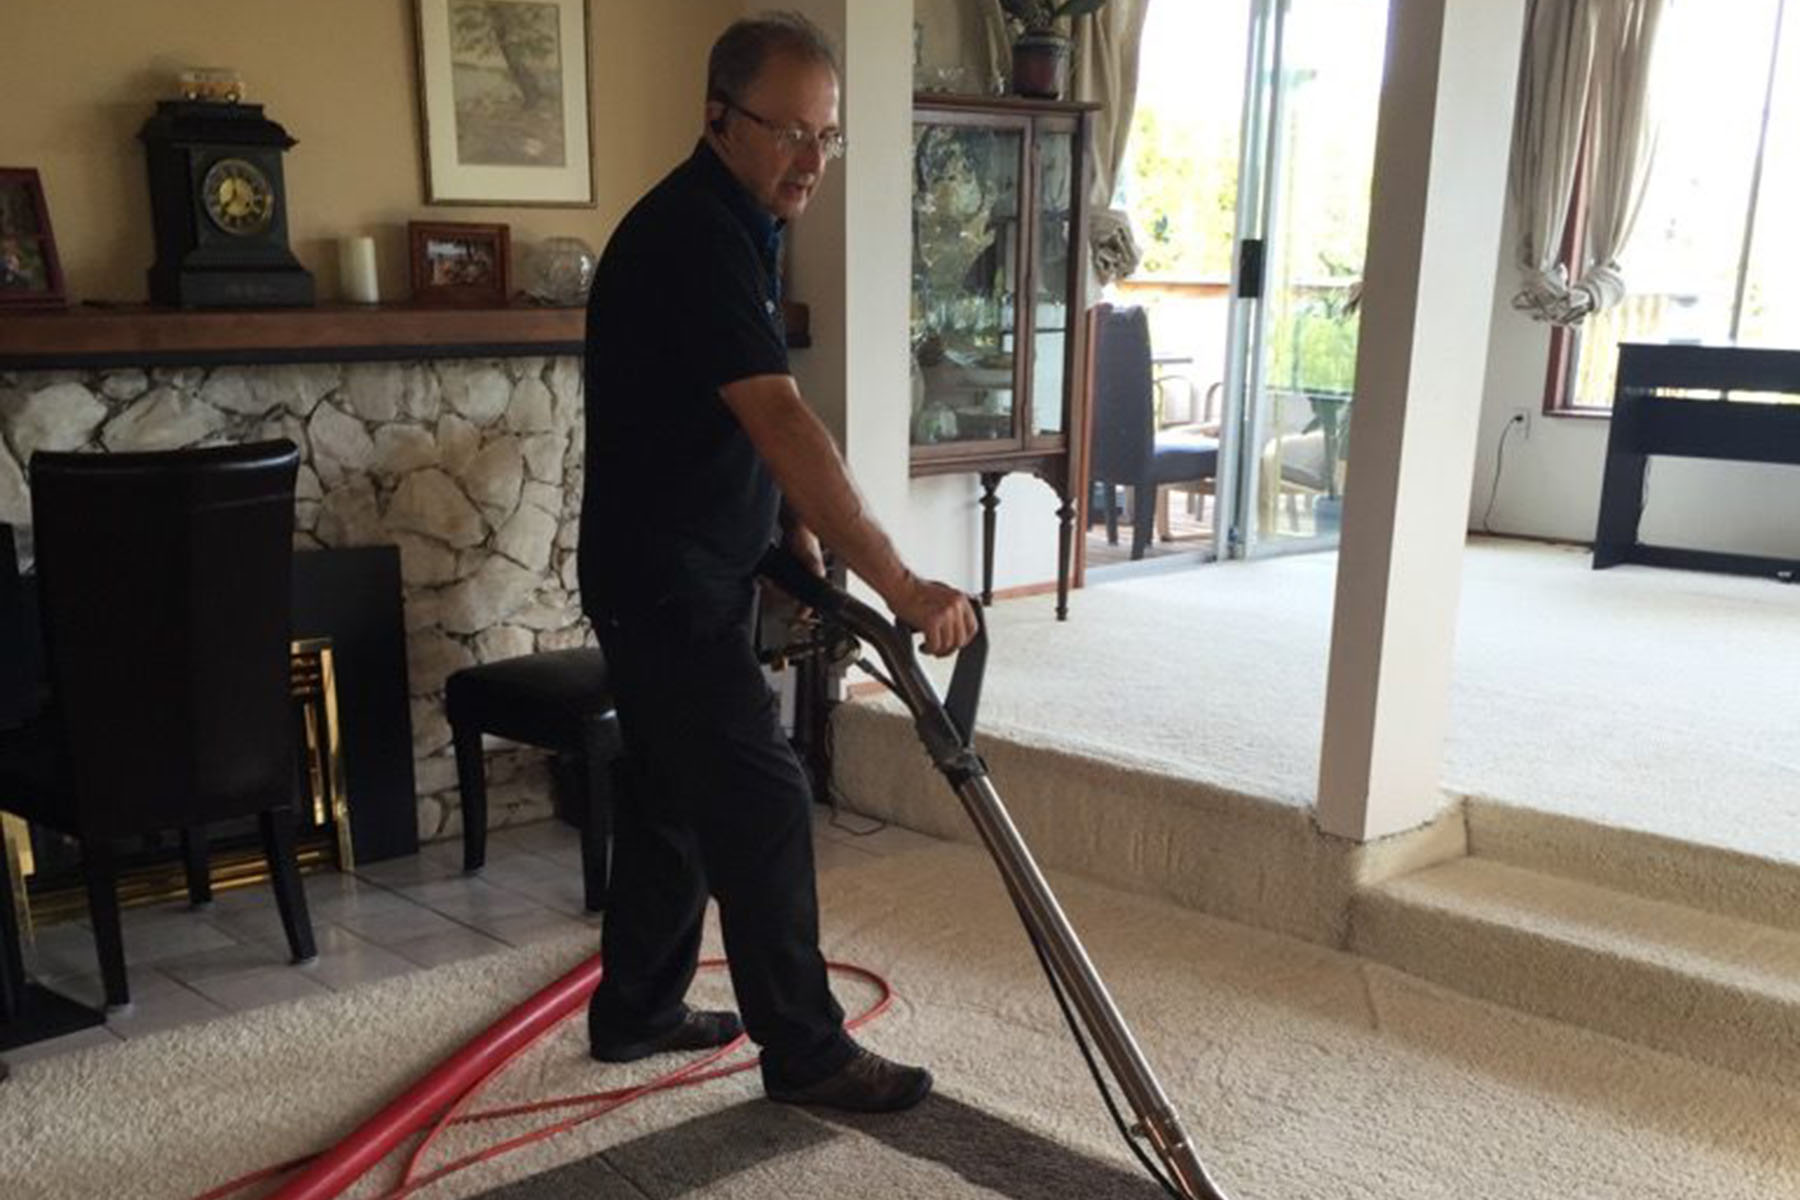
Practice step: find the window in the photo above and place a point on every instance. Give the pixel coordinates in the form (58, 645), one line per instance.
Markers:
(1711, 257)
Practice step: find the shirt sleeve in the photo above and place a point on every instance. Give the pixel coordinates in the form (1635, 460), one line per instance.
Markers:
(730, 326)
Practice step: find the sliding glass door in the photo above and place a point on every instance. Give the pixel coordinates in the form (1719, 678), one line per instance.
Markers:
(1247, 180)
(1313, 78)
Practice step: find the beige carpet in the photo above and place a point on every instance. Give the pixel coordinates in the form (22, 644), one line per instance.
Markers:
(1303, 1073)
(1652, 700)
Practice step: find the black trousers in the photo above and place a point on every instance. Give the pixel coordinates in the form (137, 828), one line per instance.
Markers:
(713, 800)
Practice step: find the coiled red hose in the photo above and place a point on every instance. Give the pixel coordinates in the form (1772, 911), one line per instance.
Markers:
(440, 1098)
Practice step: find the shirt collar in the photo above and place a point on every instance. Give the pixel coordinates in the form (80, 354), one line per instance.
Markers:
(763, 226)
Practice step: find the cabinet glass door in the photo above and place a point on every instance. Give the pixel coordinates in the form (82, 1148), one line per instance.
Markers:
(1054, 162)
(966, 199)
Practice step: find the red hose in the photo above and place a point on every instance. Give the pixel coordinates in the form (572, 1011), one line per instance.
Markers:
(336, 1169)
(440, 1098)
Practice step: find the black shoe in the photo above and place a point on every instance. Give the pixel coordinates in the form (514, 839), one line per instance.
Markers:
(867, 1083)
(697, 1031)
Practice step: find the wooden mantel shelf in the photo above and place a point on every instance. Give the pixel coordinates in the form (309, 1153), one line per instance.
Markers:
(143, 336)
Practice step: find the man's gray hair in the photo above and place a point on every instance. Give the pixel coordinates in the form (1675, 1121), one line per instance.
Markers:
(748, 43)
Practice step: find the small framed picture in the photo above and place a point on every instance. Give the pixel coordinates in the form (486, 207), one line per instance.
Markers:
(456, 262)
(503, 101)
(30, 275)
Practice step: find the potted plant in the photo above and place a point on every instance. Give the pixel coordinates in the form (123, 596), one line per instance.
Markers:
(1041, 47)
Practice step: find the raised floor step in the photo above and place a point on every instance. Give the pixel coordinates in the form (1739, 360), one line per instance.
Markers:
(1728, 882)
(1714, 988)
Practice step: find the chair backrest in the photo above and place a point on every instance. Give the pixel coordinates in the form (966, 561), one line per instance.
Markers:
(15, 673)
(1124, 400)
(165, 597)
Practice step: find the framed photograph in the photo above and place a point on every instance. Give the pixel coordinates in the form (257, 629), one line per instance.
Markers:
(30, 275)
(455, 262)
(503, 101)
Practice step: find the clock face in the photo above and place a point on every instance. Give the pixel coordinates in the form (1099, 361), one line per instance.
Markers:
(238, 196)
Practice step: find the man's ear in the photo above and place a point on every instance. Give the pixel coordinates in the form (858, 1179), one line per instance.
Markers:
(715, 116)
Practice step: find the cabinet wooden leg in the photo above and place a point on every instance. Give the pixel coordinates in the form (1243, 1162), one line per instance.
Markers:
(990, 501)
(1065, 546)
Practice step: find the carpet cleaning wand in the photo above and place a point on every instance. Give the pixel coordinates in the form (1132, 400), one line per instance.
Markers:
(947, 728)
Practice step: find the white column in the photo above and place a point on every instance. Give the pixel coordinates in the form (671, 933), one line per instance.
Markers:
(851, 255)
(1438, 200)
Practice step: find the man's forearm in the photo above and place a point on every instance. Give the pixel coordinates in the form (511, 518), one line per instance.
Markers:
(822, 494)
(805, 461)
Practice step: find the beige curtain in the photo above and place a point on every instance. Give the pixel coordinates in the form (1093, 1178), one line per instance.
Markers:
(996, 39)
(1584, 81)
(1106, 70)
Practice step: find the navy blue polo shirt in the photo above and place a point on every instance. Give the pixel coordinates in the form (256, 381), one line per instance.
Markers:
(677, 505)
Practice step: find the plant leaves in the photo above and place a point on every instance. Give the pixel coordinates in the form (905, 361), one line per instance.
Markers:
(1029, 12)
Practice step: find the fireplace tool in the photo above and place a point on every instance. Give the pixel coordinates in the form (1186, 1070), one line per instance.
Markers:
(947, 727)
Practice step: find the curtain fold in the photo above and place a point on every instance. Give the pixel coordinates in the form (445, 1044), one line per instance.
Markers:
(996, 40)
(1106, 51)
(1583, 104)
(1622, 144)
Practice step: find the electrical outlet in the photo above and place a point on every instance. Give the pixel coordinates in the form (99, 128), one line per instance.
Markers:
(1522, 418)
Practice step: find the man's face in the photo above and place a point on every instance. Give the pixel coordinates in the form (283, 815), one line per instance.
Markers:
(787, 93)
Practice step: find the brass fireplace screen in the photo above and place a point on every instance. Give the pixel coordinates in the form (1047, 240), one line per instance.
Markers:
(324, 812)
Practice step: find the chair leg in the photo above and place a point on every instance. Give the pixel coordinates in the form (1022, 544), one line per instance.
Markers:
(1162, 515)
(100, 872)
(12, 958)
(471, 784)
(282, 852)
(1112, 514)
(1143, 518)
(194, 858)
(596, 824)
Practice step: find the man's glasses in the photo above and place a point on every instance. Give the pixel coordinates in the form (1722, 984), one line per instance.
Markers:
(792, 138)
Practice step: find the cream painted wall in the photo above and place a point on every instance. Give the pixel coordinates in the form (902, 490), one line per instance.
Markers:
(83, 75)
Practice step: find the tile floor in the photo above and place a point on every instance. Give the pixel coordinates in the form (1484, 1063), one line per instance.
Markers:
(385, 918)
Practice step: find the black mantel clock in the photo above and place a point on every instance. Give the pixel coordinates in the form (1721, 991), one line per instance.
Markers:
(219, 208)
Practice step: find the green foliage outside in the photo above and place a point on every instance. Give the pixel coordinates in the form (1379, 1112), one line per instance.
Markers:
(1181, 188)
(1312, 345)
(1182, 192)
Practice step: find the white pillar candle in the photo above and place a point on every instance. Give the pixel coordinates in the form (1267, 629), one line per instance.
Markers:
(356, 270)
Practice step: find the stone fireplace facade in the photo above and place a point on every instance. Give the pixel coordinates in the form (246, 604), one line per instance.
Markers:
(472, 467)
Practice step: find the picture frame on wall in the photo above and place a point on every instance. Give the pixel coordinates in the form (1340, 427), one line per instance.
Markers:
(30, 272)
(505, 116)
(458, 263)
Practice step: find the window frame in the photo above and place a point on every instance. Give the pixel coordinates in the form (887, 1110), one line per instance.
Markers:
(1565, 341)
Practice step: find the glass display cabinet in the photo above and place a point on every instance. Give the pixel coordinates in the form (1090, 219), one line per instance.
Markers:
(998, 346)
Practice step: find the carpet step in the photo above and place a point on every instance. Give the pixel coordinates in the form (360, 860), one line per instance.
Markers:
(1711, 878)
(1200, 844)
(1710, 987)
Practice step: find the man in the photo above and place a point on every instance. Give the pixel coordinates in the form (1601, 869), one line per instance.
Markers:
(699, 447)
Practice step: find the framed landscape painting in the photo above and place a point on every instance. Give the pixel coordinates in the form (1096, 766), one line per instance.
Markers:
(503, 101)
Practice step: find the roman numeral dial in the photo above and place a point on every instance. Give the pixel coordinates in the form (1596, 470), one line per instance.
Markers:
(238, 196)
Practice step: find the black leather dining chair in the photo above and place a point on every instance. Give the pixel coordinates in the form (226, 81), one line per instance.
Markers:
(1127, 449)
(164, 594)
(29, 1012)
(18, 698)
